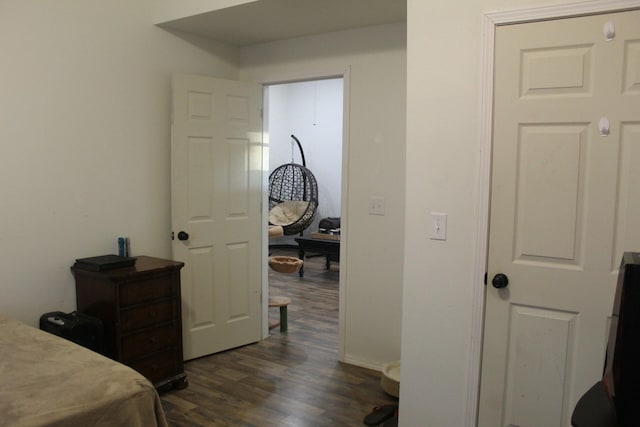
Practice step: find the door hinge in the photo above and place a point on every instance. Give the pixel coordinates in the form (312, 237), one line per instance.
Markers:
(485, 278)
(173, 237)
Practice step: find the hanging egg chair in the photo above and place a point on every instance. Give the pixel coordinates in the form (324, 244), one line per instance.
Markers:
(293, 195)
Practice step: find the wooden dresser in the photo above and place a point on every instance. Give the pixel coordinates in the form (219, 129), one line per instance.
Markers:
(140, 310)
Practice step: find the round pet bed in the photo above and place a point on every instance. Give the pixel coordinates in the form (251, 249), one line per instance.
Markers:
(390, 379)
(285, 264)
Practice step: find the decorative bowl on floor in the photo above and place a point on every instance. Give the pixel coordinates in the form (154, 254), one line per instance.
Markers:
(285, 264)
(390, 379)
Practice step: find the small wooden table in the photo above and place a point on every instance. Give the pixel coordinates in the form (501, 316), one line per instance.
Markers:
(281, 303)
(330, 248)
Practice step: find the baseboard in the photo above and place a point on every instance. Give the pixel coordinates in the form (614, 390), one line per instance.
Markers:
(362, 363)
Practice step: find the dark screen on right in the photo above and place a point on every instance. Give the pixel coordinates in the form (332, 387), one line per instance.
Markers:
(622, 367)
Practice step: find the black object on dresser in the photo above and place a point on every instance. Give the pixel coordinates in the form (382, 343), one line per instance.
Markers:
(139, 307)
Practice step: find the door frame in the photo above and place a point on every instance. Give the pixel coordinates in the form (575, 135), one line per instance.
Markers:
(331, 73)
(490, 21)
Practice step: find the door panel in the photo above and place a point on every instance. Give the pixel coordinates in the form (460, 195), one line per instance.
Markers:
(538, 337)
(549, 164)
(561, 209)
(216, 195)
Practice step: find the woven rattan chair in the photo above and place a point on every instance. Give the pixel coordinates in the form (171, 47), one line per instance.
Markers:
(293, 195)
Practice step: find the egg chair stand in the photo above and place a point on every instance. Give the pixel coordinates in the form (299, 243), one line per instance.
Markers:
(293, 195)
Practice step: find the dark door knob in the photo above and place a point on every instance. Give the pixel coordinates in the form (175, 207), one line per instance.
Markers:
(183, 235)
(500, 281)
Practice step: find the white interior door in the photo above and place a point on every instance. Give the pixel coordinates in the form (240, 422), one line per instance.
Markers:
(565, 205)
(216, 211)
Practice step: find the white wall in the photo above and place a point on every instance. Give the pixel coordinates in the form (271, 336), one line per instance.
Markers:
(312, 111)
(84, 140)
(443, 75)
(375, 58)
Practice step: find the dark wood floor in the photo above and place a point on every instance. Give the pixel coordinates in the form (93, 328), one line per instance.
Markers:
(288, 379)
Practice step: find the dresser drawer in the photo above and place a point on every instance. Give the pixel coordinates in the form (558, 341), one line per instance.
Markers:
(159, 366)
(145, 290)
(146, 315)
(147, 342)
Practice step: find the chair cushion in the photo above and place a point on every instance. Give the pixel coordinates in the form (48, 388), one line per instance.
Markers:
(286, 213)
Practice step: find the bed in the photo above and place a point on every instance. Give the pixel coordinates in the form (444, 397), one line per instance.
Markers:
(48, 381)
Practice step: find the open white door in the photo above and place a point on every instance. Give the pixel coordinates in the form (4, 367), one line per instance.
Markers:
(564, 208)
(216, 189)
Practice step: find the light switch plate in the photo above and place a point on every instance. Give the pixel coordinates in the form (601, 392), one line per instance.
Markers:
(438, 226)
(376, 205)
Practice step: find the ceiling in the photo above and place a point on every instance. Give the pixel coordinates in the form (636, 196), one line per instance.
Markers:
(269, 20)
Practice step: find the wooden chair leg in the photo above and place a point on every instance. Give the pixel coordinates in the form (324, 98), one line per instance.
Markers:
(283, 318)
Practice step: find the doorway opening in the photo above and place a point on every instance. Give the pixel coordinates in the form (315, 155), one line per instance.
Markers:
(311, 112)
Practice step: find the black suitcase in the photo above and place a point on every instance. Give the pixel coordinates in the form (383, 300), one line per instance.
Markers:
(80, 328)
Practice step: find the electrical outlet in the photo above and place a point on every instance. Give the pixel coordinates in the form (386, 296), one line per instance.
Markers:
(376, 205)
